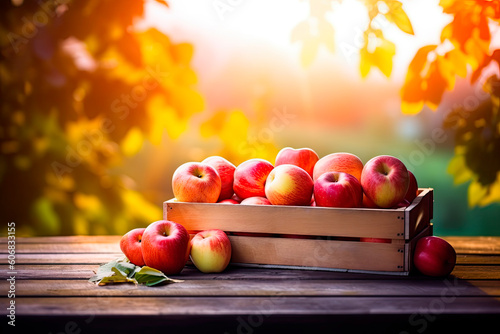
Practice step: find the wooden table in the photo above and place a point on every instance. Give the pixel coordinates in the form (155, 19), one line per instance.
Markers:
(52, 295)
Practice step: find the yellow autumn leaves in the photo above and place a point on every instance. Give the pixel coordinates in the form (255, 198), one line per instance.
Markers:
(464, 50)
(376, 51)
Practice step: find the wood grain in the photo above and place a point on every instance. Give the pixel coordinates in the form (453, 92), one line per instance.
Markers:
(475, 245)
(377, 223)
(85, 258)
(83, 272)
(269, 287)
(318, 253)
(52, 290)
(171, 306)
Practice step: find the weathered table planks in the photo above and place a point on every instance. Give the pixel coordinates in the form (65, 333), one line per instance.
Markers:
(53, 295)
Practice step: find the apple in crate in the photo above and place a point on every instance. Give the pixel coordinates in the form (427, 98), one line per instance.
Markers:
(385, 181)
(339, 162)
(225, 169)
(376, 240)
(412, 188)
(211, 251)
(130, 244)
(256, 200)
(367, 203)
(304, 158)
(228, 201)
(289, 185)
(164, 245)
(434, 256)
(337, 189)
(196, 182)
(250, 178)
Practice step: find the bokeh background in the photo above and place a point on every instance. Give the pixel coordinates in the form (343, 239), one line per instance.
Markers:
(102, 100)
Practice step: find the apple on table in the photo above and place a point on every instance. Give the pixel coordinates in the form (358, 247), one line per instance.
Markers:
(434, 256)
(164, 246)
(210, 251)
(130, 244)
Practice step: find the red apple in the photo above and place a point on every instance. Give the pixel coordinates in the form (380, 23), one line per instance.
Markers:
(226, 173)
(289, 185)
(378, 240)
(256, 200)
(434, 256)
(337, 189)
(412, 188)
(367, 203)
(228, 201)
(164, 246)
(304, 158)
(196, 182)
(250, 178)
(339, 162)
(236, 198)
(385, 181)
(130, 244)
(211, 251)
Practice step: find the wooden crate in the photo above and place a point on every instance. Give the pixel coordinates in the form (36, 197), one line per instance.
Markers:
(314, 237)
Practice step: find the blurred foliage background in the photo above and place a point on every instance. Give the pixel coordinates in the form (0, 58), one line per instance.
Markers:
(102, 100)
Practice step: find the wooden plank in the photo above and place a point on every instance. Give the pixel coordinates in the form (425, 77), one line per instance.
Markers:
(66, 239)
(477, 272)
(419, 213)
(75, 258)
(316, 221)
(318, 253)
(277, 287)
(83, 258)
(409, 247)
(180, 306)
(83, 272)
(478, 259)
(98, 248)
(475, 245)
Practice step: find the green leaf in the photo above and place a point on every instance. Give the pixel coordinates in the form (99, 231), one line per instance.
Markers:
(150, 276)
(126, 268)
(122, 271)
(116, 277)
